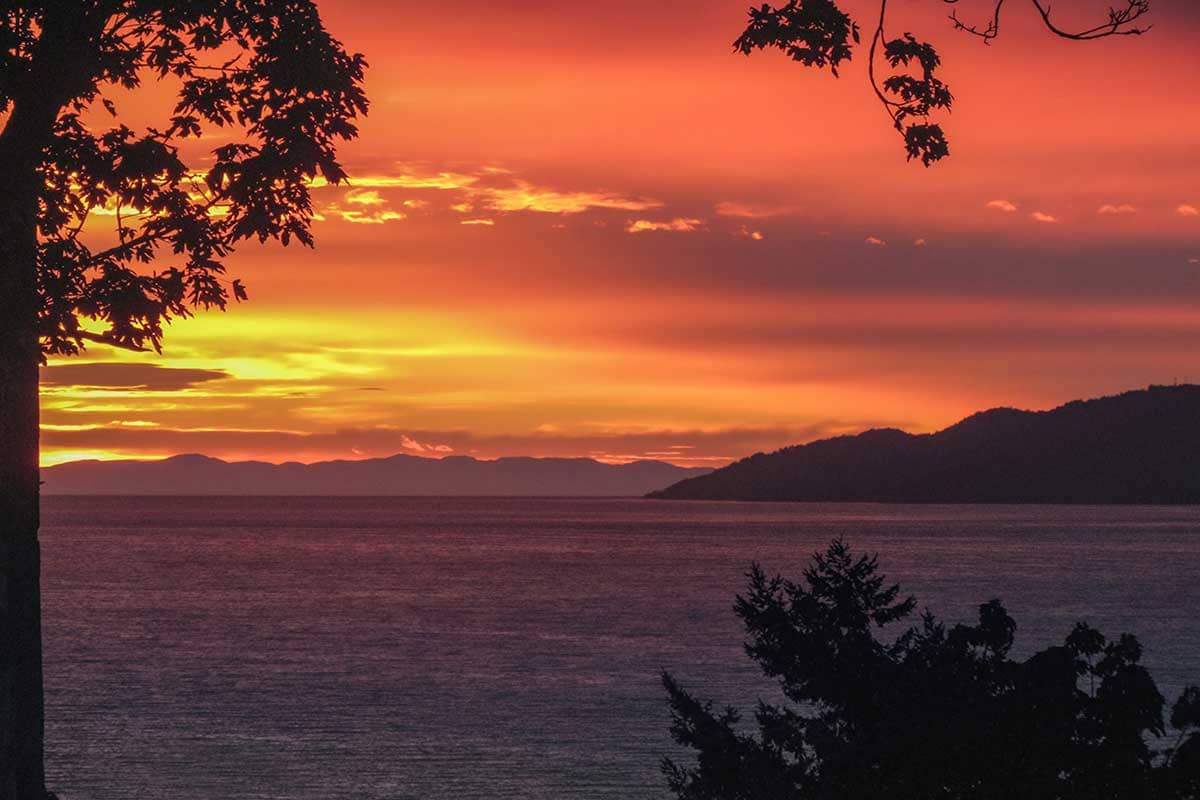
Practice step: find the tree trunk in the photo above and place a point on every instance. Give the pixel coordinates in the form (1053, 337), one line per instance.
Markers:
(22, 774)
(54, 77)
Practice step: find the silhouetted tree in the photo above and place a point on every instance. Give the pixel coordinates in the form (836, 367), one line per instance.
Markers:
(818, 33)
(938, 712)
(275, 92)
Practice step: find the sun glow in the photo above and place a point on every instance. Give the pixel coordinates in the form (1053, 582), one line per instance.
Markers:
(552, 247)
(53, 457)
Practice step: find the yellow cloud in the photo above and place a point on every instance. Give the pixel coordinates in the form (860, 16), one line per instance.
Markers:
(746, 211)
(363, 207)
(408, 177)
(524, 196)
(368, 218)
(364, 197)
(512, 195)
(678, 225)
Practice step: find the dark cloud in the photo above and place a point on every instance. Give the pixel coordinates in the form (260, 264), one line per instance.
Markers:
(143, 377)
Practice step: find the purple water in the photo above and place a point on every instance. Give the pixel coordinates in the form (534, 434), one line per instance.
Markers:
(318, 649)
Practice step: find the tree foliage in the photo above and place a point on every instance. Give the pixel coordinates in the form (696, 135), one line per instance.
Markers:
(262, 79)
(818, 33)
(937, 712)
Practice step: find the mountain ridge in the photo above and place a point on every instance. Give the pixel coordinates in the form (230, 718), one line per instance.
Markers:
(1137, 447)
(401, 474)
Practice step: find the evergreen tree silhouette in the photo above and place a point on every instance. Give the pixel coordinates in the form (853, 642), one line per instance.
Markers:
(936, 712)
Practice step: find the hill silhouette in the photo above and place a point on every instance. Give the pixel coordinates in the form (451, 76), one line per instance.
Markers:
(1137, 447)
(397, 475)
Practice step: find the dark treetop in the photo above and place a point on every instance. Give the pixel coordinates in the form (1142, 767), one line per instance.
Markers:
(936, 712)
(1137, 447)
(261, 79)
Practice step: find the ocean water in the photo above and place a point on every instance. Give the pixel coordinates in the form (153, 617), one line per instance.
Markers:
(371, 649)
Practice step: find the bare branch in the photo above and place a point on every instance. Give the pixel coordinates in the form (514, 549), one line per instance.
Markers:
(1120, 22)
(987, 34)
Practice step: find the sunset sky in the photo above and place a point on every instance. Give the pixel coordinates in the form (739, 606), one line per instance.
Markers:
(592, 229)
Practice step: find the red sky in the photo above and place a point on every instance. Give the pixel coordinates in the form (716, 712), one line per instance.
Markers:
(592, 229)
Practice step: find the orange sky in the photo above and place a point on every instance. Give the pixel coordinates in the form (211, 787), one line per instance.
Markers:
(592, 229)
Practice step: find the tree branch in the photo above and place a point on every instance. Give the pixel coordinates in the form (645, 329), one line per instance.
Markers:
(106, 339)
(988, 33)
(1119, 22)
(888, 103)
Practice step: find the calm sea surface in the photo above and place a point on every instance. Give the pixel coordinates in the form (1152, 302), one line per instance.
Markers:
(448, 648)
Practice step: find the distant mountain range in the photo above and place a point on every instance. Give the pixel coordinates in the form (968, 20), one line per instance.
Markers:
(398, 475)
(1138, 447)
